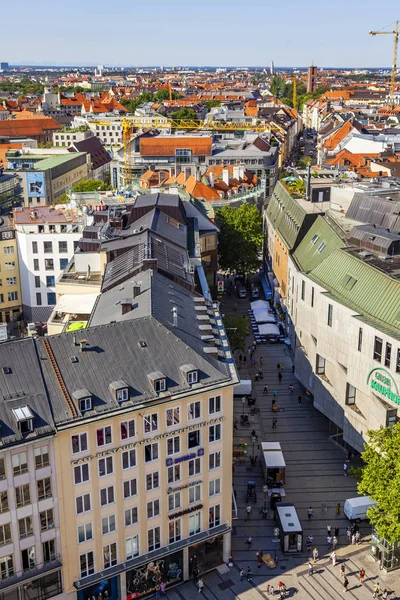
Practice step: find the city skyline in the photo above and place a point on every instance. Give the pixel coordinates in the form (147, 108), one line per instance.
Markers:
(175, 33)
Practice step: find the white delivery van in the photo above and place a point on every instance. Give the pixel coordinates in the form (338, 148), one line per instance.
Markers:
(355, 509)
(243, 388)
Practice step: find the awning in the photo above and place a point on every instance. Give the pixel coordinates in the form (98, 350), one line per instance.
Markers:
(80, 304)
(269, 329)
(260, 304)
(274, 460)
(263, 316)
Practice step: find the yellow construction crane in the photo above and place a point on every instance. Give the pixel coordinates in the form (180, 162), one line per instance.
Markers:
(395, 34)
(295, 92)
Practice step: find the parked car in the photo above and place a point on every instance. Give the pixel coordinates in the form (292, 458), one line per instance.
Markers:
(242, 293)
(255, 292)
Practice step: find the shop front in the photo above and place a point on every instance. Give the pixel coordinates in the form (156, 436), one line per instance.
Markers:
(107, 589)
(388, 555)
(145, 578)
(205, 556)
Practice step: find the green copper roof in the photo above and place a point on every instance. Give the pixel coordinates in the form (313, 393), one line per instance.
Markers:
(318, 243)
(286, 215)
(361, 287)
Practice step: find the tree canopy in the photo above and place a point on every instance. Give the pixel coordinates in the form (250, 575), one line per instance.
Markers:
(240, 238)
(212, 104)
(237, 331)
(183, 113)
(283, 89)
(91, 185)
(380, 479)
(25, 86)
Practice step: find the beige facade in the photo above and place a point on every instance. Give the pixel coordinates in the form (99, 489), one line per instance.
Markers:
(152, 479)
(10, 286)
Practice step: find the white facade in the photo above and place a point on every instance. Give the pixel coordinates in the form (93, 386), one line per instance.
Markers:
(29, 517)
(336, 360)
(44, 251)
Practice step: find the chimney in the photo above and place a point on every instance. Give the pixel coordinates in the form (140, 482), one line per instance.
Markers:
(82, 345)
(236, 172)
(211, 179)
(175, 317)
(150, 263)
(126, 305)
(225, 176)
(136, 289)
(74, 339)
(241, 172)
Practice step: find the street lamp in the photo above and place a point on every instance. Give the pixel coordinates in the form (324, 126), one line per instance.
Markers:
(243, 403)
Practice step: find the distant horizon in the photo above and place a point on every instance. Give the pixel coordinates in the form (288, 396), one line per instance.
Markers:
(44, 65)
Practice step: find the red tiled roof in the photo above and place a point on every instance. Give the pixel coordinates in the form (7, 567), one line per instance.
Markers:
(162, 146)
(27, 124)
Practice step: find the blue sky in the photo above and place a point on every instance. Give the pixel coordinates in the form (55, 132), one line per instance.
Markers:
(205, 32)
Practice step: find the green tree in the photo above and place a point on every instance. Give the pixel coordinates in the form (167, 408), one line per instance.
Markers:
(64, 199)
(90, 185)
(212, 104)
(184, 114)
(380, 480)
(132, 105)
(237, 331)
(240, 238)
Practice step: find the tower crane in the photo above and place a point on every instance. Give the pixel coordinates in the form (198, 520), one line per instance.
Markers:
(295, 92)
(395, 34)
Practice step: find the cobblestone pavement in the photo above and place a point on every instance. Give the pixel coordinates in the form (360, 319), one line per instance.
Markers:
(314, 474)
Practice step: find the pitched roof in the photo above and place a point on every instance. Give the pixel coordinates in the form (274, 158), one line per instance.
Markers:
(93, 146)
(338, 136)
(166, 146)
(318, 243)
(25, 124)
(372, 293)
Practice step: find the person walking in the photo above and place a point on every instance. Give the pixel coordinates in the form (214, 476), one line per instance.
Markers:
(282, 366)
(278, 366)
(333, 558)
(291, 388)
(345, 584)
(348, 533)
(315, 554)
(271, 590)
(274, 422)
(337, 531)
(259, 557)
(376, 590)
(342, 569)
(353, 538)
(299, 400)
(323, 506)
(310, 569)
(265, 389)
(345, 467)
(329, 541)
(329, 529)
(249, 512)
(261, 361)
(275, 393)
(248, 542)
(310, 540)
(163, 587)
(158, 590)
(280, 376)
(385, 594)
(362, 575)
(334, 542)
(230, 562)
(249, 574)
(357, 538)
(338, 508)
(310, 513)
(200, 585)
(241, 575)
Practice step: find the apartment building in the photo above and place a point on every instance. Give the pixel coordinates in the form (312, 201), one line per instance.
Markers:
(10, 284)
(46, 240)
(29, 521)
(45, 178)
(144, 420)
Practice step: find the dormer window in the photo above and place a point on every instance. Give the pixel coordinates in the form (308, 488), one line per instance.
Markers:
(160, 385)
(84, 399)
(190, 373)
(158, 381)
(85, 404)
(119, 390)
(122, 395)
(24, 418)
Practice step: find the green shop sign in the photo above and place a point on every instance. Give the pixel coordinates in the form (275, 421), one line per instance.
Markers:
(383, 382)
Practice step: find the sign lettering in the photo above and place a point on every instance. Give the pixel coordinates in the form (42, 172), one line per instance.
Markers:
(382, 382)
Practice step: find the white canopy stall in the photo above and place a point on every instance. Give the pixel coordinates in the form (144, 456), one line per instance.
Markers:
(269, 329)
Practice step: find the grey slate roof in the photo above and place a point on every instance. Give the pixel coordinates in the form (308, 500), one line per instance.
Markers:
(23, 386)
(375, 210)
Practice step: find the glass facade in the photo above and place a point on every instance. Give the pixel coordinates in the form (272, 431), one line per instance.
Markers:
(205, 556)
(41, 588)
(106, 589)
